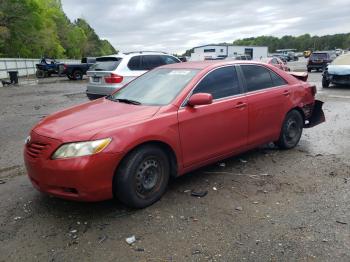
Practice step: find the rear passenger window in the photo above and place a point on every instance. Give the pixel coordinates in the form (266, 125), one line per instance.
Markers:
(169, 60)
(257, 77)
(277, 80)
(222, 82)
(135, 63)
(151, 61)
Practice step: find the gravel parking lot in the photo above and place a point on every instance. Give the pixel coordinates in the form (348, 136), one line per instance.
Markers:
(264, 205)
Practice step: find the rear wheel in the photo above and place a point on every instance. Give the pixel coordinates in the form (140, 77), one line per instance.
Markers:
(309, 70)
(291, 131)
(77, 75)
(142, 177)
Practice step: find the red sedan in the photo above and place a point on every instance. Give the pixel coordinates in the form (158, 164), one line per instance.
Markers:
(277, 62)
(167, 122)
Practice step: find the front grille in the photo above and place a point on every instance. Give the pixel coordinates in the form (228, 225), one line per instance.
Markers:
(341, 78)
(34, 149)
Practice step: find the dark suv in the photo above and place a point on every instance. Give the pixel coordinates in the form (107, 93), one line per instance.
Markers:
(319, 61)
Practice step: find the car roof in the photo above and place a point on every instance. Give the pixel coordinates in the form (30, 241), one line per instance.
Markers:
(130, 54)
(208, 64)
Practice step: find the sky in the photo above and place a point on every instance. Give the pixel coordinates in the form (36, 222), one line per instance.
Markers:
(176, 25)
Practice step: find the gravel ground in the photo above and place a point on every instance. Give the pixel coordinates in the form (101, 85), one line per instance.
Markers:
(264, 205)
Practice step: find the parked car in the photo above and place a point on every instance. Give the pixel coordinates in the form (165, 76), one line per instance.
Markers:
(319, 60)
(77, 71)
(110, 73)
(275, 61)
(47, 67)
(165, 123)
(284, 58)
(239, 57)
(338, 72)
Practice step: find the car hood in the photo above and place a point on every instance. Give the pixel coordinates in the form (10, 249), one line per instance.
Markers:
(84, 121)
(339, 69)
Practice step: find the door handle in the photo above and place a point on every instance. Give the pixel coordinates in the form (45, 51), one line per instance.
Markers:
(240, 105)
(286, 92)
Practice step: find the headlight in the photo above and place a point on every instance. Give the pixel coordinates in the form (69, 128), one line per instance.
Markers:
(81, 148)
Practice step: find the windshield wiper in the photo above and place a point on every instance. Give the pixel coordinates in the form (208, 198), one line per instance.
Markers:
(123, 100)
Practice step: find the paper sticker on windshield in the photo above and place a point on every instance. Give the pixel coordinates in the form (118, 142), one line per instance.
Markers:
(179, 72)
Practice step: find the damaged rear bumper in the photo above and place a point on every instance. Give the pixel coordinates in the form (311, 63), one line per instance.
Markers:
(317, 116)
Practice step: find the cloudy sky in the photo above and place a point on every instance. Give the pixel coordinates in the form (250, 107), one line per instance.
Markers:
(177, 25)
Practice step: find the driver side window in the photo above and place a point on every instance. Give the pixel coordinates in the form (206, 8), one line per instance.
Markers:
(222, 82)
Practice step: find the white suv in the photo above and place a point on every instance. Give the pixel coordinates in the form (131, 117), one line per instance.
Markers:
(110, 73)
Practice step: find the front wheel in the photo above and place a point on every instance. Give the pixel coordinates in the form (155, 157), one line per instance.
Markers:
(325, 82)
(142, 177)
(291, 131)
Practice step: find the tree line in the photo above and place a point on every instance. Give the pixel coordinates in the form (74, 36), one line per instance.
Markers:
(37, 28)
(300, 43)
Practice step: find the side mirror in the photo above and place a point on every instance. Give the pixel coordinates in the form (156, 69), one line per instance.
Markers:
(200, 99)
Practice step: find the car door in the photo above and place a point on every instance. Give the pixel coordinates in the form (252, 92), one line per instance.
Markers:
(212, 130)
(268, 97)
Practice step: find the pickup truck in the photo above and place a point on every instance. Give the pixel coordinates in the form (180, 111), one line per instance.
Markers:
(76, 71)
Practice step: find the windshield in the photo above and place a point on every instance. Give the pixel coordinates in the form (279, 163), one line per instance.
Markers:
(106, 64)
(157, 87)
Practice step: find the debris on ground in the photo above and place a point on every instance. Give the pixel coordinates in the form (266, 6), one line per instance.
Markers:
(2, 182)
(17, 218)
(102, 239)
(222, 164)
(196, 252)
(214, 188)
(341, 222)
(130, 240)
(243, 161)
(199, 193)
(332, 173)
(239, 208)
(139, 249)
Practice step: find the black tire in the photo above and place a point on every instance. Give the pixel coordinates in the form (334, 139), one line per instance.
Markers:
(309, 70)
(77, 75)
(142, 177)
(70, 77)
(39, 73)
(325, 82)
(291, 131)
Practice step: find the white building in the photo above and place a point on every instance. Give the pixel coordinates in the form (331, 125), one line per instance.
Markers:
(221, 51)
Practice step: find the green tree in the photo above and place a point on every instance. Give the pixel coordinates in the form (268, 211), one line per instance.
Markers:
(35, 28)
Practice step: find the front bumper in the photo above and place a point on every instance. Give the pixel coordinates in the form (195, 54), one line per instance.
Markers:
(87, 178)
(316, 66)
(339, 79)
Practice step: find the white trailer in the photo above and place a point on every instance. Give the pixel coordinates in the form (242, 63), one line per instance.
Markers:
(221, 51)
